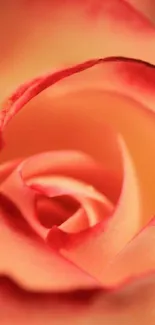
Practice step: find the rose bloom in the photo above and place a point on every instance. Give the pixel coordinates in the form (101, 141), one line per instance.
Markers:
(77, 175)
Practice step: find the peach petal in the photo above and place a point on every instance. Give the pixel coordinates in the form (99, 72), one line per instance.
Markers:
(54, 26)
(122, 77)
(146, 7)
(126, 76)
(76, 165)
(7, 168)
(135, 259)
(34, 266)
(128, 79)
(78, 222)
(95, 205)
(23, 198)
(121, 69)
(21, 191)
(19, 98)
(56, 211)
(105, 242)
(132, 304)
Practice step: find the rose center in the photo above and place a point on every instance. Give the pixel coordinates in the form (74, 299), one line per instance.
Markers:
(55, 211)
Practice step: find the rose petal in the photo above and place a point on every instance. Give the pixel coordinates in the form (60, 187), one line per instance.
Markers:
(133, 79)
(119, 230)
(78, 222)
(7, 168)
(33, 265)
(146, 7)
(55, 26)
(136, 258)
(95, 204)
(19, 190)
(132, 304)
(77, 165)
(57, 210)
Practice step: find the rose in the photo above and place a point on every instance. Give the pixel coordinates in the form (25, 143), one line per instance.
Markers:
(97, 191)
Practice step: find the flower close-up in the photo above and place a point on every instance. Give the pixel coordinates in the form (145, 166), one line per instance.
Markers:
(77, 175)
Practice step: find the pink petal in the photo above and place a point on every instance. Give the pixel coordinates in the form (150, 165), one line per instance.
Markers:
(120, 229)
(146, 7)
(7, 168)
(77, 165)
(132, 304)
(55, 26)
(96, 205)
(78, 222)
(121, 80)
(136, 258)
(30, 263)
(19, 189)
(57, 210)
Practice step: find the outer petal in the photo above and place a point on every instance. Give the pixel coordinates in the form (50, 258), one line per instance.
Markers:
(146, 7)
(137, 258)
(130, 305)
(7, 168)
(48, 34)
